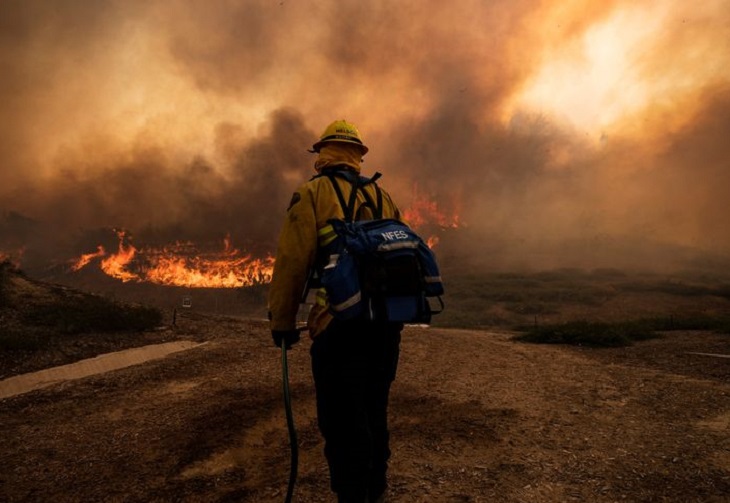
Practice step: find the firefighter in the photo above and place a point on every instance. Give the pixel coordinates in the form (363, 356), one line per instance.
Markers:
(353, 362)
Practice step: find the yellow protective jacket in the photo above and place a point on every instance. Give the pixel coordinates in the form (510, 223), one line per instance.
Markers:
(305, 229)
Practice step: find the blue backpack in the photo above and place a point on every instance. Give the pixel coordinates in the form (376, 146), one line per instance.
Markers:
(377, 269)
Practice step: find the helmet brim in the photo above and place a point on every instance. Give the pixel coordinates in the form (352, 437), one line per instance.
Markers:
(317, 146)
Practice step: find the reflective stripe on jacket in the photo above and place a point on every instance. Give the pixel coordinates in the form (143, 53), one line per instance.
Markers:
(304, 231)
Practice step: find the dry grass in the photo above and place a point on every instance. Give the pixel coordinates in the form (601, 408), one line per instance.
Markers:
(33, 312)
(605, 296)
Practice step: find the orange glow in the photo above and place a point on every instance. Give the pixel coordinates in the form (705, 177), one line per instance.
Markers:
(623, 63)
(115, 265)
(13, 257)
(84, 259)
(593, 81)
(549, 121)
(182, 265)
(201, 272)
(425, 212)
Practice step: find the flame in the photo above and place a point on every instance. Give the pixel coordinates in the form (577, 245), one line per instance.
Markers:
(13, 257)
(115, 265)
(424, 212)
(181, 264)
(84, 259)
(202, 272)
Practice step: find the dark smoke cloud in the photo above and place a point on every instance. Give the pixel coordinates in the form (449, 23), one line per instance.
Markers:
(427, 82)
(160, 202)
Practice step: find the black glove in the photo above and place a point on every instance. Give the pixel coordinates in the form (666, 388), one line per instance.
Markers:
(290, 337)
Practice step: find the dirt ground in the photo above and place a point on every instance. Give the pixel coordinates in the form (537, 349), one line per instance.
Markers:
(475, 417)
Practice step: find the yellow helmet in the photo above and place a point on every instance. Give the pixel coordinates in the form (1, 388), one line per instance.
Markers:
(341, 131)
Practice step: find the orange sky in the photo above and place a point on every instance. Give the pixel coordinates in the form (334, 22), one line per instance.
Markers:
(553, 122)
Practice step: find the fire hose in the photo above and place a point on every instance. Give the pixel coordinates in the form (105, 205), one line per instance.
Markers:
(287, 402)
(290, 425)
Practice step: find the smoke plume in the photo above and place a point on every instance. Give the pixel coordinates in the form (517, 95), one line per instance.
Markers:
(558, 135)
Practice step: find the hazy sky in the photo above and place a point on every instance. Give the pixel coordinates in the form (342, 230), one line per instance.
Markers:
(546, 123)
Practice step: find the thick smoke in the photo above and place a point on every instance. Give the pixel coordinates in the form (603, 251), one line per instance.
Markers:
(144, 191)
(184, 121)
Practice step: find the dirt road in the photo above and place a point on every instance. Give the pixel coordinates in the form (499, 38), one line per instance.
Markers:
(475, 417)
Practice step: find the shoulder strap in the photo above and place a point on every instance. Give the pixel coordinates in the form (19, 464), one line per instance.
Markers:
(357, 182)
(377, 206)
(345, 206)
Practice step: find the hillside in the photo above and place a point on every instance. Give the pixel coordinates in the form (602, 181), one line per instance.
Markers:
(44, 324)
(476, 416)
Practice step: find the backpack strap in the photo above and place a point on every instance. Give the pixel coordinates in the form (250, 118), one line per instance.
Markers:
(357, 182)
(345, 206)
(376, 207)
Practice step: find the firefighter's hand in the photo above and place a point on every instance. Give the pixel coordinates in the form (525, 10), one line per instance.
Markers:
(288, 337)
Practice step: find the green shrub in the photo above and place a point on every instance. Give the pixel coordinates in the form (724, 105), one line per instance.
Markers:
(675, 288)
(600, 334)
(723, 291)
(690, 322)
(588, 333)
(531, 308)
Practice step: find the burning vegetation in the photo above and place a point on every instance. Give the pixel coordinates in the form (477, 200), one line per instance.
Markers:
(183, 264)
(180, 264)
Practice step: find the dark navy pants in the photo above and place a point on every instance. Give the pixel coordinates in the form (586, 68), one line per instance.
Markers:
(354, 364)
